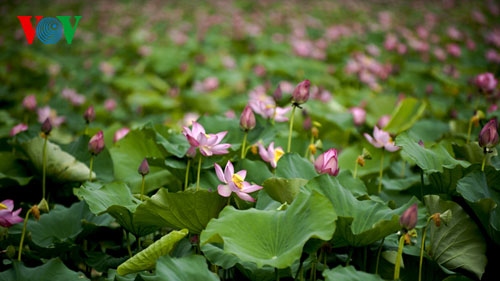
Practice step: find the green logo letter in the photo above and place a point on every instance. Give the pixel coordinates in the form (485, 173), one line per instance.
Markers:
(69, 31)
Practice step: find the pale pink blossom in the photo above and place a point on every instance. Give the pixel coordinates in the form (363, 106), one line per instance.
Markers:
(21, 127)
(327, 163)
(120, 134)
(8, 217)
(208, 144)
(381, 139)
(29, 102)
(383, 121)
(72, 96)
(234, 182)
(110, 104)
(46, 112)
(486, 82)
(271, 154)
(358, 115)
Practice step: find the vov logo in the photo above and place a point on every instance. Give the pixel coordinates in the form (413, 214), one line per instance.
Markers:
(49, 30)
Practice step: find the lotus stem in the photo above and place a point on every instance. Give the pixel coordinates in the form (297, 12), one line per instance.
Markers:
(381, 172)
(291, 129)
(484, 162)
(469, 131)
(23, 234)
(243, 145)
(379, 251)
(198, 175)
(422, 247)
(399, 256)
(44, 165)
(91, 164)
(188, 166)
(142, 187)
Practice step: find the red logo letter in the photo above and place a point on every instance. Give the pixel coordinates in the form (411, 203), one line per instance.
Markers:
(29, 30)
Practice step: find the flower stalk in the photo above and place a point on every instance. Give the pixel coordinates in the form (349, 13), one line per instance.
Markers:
(289, 147)
(399, 256)
(198, 174)
(186, 178)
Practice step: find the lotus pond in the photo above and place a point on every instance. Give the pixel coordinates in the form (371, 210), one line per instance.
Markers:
(249, 140)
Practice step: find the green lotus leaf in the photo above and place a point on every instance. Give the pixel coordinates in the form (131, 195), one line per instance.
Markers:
(433, 159)
(405, 115)
(128, 154)
(349, 273)
(360, 223)
(63, 225)
(53, 270)
(270, 237)
(146, 259)
(102, 166)
(459, 243)
(283, 190)
(292, 165)
(188, 209)
(482, 193)
(61, 166)
(116, 199)
(12, 170)
(102, 196)
(192, 268)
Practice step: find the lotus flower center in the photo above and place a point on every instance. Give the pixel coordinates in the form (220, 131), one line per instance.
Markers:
(237, 180)
(277, 154)
(3, 206)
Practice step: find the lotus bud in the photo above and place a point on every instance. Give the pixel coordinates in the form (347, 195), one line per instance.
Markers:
(46, 127)
(301, 92)
(488, 137)
(144, 167)
(247, 119)
(89, 114)
(327, 163)
(96, 143)
(486, 82)
(43, 206)
(408, 219)
(29, 102)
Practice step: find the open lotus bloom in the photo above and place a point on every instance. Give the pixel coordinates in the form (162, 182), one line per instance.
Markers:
(7, 216)
(208, 144)
(234, 182)
(271, 154)
(381, 139)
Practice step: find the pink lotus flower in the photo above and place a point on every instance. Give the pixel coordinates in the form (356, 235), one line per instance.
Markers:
(327, 163)
(18, 128)
(271, 155)
(110, 104)
(29, 102)
(120, 134)
(208, 144)
(7, 216)
(486, 82)
(72, 96)
(488, 137)
(358, 115)
(381, 139)
(89, 114)
(234, 182)
(301, 92)
(96, 143)
(46, 112)
(247, 119)
(409, 218)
